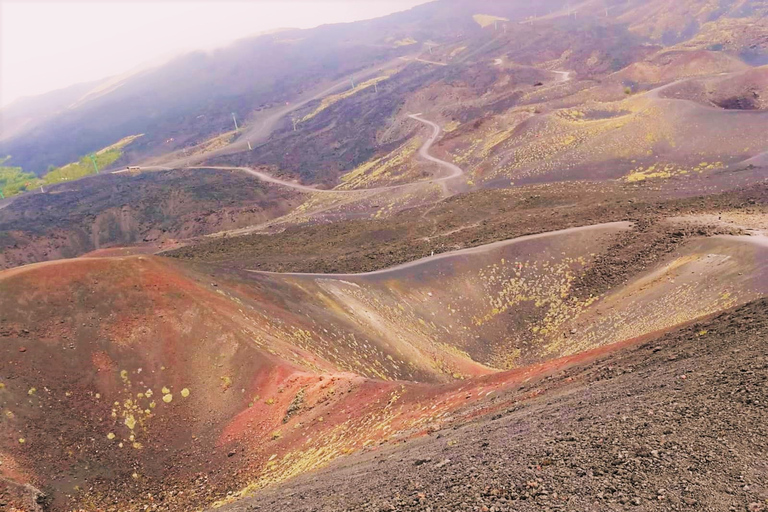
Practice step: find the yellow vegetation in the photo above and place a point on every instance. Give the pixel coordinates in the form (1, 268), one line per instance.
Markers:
(485, 20)
(381, 170)
(406, 41)
(664, 171)
(335, 98)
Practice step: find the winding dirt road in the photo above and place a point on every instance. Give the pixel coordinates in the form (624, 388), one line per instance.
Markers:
(621, 225)
(454, 170)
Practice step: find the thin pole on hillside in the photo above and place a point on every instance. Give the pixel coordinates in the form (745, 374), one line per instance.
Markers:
(235, 120)
(249, 146)
(93, 159)
(352, 82)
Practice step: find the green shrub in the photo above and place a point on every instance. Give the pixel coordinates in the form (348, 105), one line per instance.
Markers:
(13, 180)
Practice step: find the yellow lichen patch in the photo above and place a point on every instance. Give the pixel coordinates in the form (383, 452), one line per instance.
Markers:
(226, 382)
(124, 375)
(165, 390)
(451, 126)
(130, 421)
(664, 171)
(381, 171)
(22, 440)
(168, 398)
(571, 115)
(185, 393)
(406, 41)
(148, 393)
(120, 144)
(2, 385)
(9, 415)
(335, 98)
(485, 20)
(110, 436)
(211, 144)
(32, 391)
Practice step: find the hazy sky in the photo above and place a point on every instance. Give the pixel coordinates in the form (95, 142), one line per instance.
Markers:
(49, 45)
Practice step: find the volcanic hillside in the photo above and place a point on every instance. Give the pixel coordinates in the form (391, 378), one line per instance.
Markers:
(136, 381)
(468, 212)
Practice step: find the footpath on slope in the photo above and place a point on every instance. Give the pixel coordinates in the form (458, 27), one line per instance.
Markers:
(454, 170)
(619, 226)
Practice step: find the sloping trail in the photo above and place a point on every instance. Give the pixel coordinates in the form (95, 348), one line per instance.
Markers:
(353, 195)
(454, 170)
(621, 225)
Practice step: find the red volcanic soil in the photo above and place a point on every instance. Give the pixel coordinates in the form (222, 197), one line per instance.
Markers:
(139, 381)
(122, 251)
(676, 423)
(127, 382)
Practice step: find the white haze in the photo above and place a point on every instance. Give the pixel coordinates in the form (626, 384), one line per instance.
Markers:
(46, 46)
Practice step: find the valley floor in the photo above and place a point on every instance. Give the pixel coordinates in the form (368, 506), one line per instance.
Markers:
(675, 423)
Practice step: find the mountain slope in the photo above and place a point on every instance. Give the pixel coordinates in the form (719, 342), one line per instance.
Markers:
(147, 380)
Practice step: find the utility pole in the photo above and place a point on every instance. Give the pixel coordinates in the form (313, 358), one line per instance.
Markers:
(375, 86)
(352, 82)
(249, 146)
(93, 159)
(235, 120)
